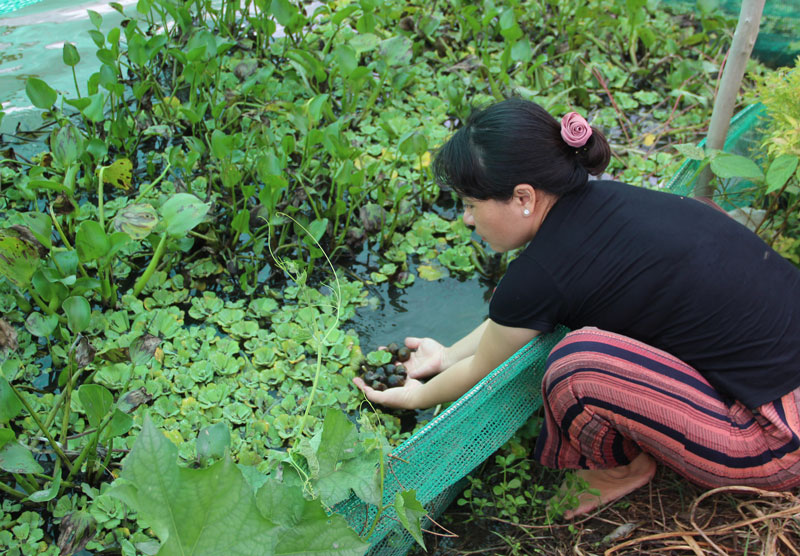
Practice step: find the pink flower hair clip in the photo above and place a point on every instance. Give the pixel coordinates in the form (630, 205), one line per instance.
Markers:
(575, 130)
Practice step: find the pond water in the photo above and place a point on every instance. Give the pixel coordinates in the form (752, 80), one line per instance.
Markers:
(31, 43)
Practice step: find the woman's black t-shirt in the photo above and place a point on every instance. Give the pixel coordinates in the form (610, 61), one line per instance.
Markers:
(669, 271)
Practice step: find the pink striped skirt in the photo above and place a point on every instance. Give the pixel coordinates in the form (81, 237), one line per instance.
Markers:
(607, 398)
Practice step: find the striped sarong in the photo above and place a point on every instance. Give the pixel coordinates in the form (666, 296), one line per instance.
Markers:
(608, 397)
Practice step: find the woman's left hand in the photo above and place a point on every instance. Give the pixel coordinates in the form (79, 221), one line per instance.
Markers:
(402, 397)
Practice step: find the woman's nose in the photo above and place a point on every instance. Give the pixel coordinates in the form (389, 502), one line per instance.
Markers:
(468, 219)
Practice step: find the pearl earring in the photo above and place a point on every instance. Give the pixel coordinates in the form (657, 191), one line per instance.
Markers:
(526, 212)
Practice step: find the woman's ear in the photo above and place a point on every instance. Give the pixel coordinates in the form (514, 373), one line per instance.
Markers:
(525, 197)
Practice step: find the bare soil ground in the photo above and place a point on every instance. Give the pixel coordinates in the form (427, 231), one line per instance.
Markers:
(668, 517)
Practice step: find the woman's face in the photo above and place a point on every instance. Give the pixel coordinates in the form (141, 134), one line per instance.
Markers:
(502, 224)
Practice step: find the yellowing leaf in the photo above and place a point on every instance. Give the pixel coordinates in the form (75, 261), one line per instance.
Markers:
(425, 160)
(429, 272)
(119, 174)
(174, 437)
(649, 139)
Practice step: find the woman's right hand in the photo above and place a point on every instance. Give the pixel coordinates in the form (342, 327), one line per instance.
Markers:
(427, 359)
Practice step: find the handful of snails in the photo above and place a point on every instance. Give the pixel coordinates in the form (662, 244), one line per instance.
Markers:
(385, 368)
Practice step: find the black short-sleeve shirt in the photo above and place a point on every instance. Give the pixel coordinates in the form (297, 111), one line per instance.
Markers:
(666, 270)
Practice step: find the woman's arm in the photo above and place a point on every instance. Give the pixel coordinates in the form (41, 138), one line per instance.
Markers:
(497, 343)
(430, 357)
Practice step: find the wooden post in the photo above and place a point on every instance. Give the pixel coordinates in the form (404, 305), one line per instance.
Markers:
(743, 40)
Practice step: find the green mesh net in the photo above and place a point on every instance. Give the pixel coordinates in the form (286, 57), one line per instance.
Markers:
(744, 137)
(778, 42)
(435, 460)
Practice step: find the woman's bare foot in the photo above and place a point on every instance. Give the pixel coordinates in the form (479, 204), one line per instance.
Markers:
(612, 483)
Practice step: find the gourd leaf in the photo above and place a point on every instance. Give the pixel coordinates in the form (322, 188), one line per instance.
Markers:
(198, 511)
(213, 441)
(344, 464)
(305, 527)
(410, 512)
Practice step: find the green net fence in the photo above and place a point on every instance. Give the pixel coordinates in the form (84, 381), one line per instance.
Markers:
(778, 42)
(744, 137)
(435, 460)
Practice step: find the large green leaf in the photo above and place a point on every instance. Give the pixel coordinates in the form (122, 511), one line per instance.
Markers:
(40, 226)
(41, 94)
(397, 51)
(410, 512)
(16, 458)
(727, 165)
(41, 325)
(70, 54)
(10, 406)
(192, 511)
(341, 463)
(780, 171)
(182, 212)
(19, 259)
(305, 527)
(91, 241)
(78, 313)
(213, 441)
(97, 402)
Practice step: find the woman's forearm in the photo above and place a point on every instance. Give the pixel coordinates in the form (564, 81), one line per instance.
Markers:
(465, 347)
(450, 384)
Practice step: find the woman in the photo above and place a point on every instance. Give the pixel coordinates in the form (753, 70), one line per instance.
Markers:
(686, 327)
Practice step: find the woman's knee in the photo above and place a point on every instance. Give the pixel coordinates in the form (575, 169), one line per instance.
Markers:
(572, 358)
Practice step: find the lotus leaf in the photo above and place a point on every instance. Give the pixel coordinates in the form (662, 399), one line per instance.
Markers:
(457, 259)
(243, 329)
(201, 371)
(211, 395)
(225, 364)
(183, 383)
(292, 350)
(205, 268)
(262, 307)
(227, 317)
(238, 413)
(264, 356)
